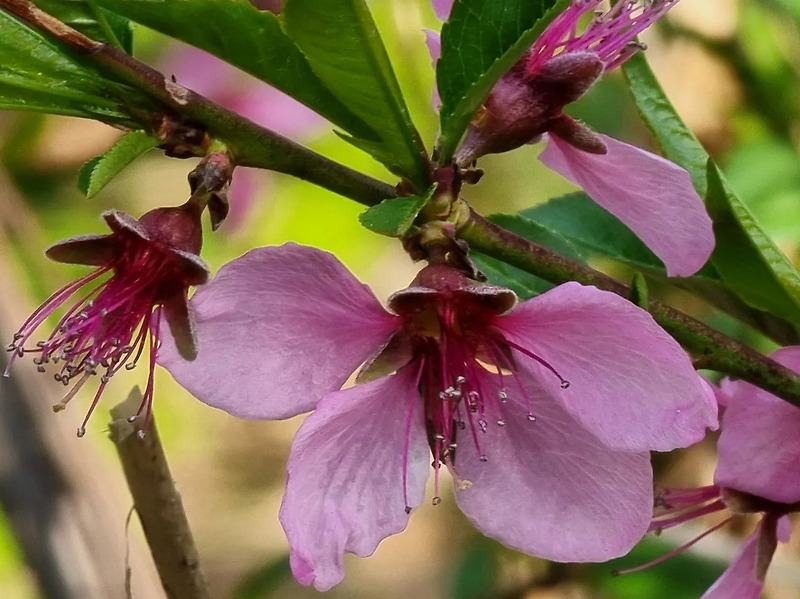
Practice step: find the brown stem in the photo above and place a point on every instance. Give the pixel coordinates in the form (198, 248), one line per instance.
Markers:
(157, 502)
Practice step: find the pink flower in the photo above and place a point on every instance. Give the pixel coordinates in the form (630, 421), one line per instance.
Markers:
(759, 450)
(152, 263)
(651, 195)
(552, 404)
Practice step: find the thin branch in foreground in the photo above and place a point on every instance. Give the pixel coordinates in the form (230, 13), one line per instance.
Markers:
(157, 502)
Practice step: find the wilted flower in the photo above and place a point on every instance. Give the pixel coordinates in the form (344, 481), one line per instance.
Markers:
(650, 194)
(552, 404)
(151, 262)
(759, 450)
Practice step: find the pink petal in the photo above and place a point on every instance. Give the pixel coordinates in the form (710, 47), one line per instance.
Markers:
(631, 384)
(442, 8)
(739, 580)
(356, 463)
(549, 487)
(759, 448)
(434, 43)
(278, 328)
(650, 194)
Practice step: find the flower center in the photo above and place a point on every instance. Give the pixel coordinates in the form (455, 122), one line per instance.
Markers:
(105, 330)
(465, 365)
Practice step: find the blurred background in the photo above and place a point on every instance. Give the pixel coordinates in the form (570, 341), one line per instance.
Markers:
(733, 70)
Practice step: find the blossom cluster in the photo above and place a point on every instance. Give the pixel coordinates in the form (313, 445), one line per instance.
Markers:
(542, 413)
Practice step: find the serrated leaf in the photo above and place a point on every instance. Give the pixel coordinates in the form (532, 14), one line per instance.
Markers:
(344, 49)
(753, 257)
(37, 74)
(395, 216)
(101, 170)
(480, 42)
(92, 21)
(250, 39)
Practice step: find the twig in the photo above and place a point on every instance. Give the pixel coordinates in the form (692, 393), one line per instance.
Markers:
(251, 144)
(157, 502)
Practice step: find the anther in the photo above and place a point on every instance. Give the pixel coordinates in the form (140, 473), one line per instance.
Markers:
(483, 458)
(140, 434)
(531, 418)
(408, 509)
(501, 422)
(460, 380)
(502, 395)
(482, 425)
(81, 431)
(436, 500)
(564, 384)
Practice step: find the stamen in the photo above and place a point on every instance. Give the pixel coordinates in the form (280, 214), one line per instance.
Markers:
(661, 559)
(564, 382)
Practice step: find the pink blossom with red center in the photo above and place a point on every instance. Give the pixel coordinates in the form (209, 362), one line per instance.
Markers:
(151, 262)
(552, 404)
(759, 450)
(654, 197)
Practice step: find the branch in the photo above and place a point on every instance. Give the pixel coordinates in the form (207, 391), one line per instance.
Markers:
(249, 143)
(157, 502)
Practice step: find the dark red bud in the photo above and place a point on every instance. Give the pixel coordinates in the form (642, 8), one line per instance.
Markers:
(524, 105)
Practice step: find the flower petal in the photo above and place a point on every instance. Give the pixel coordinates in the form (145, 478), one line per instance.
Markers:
(759, 447)
(631, 384)
(650, 194)
(739, 580)
(180, 320)
(278, 328)
(91, 250)
(359, 460)
(549, 487)
(442, 8)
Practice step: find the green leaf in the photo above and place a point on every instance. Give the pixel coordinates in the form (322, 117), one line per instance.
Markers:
(480, 42)
(538, 233)
(585, 225)
(675, 139)
(395, 216)
(92, 21)
(99, 171)
(37, 74)
(248, 38)
(524, 284)
(344, 49)
(747, 260)
(640, 295)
